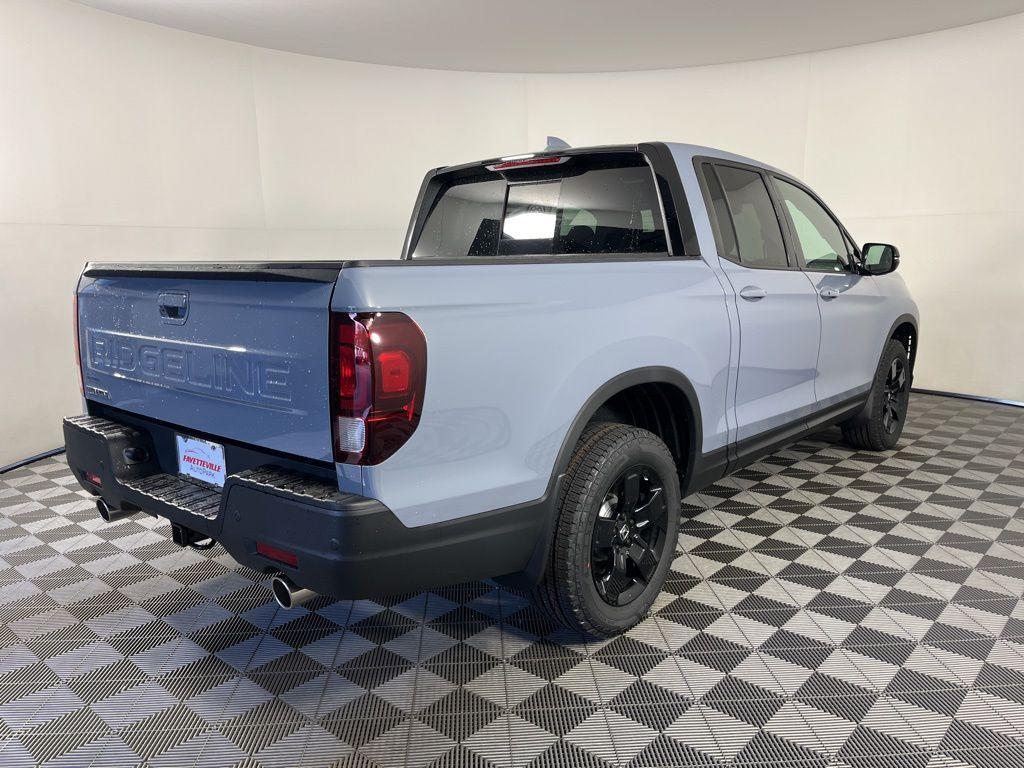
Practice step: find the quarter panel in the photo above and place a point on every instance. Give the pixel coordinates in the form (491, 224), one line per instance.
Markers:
(513, 353)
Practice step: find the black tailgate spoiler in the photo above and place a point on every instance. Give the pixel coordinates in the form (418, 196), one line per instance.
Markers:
(303, 271)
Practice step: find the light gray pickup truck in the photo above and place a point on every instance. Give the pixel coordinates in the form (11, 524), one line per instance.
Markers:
(572, 341)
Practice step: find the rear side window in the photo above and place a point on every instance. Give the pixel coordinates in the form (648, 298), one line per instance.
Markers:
(745, 216)
(465, 221)
(586, 205)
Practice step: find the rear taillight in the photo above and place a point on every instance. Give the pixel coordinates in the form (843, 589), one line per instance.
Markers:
(78, 351)
(378, 377)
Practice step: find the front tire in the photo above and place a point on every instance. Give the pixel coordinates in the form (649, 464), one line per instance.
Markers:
(879, 426)
(618, 522)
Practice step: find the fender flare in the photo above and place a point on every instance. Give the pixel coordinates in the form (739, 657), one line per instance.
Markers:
(907, 319)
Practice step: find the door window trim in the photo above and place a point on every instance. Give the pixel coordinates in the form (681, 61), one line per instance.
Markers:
(702, 164)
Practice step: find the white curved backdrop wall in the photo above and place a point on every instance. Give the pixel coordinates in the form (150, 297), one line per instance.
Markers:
(121, 140)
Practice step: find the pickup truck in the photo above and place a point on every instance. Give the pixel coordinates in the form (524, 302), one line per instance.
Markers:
(571, 342)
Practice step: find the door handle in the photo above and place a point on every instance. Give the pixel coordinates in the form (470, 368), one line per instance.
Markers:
(753, 293)
(829, 293)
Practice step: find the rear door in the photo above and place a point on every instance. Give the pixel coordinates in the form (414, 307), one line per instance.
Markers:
(852, 323)
(776, 304)
(238, 358)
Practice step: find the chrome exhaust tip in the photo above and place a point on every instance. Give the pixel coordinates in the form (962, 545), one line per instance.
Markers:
(109, 513)
(287, 595)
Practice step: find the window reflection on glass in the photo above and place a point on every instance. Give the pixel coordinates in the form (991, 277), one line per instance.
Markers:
(531, 213)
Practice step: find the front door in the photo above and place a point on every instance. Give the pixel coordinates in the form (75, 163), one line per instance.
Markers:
(851, 318)
(776, 304)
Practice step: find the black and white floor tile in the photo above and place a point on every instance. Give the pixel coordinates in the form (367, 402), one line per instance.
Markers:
(826, 607)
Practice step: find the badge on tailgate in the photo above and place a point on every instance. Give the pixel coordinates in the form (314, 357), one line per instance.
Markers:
(201, 460)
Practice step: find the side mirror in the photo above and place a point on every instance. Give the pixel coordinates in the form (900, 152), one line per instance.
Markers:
(880, 258)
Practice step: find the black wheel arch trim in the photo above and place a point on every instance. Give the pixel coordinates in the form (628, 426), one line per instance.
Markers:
(620, 383)
(905, 319)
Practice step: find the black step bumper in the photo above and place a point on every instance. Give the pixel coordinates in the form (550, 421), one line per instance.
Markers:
(346, 546)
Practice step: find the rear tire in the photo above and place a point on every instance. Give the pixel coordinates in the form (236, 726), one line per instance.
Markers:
(617, 527)
(879, 425)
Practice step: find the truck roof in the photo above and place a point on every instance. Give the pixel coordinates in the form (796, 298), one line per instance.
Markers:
(696, 150)
(680, 151)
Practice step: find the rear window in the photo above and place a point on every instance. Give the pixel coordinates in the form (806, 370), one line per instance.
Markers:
(589, 204)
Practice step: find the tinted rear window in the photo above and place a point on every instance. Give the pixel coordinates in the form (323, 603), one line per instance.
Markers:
(588, 205)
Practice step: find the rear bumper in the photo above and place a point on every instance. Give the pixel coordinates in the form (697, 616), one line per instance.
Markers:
(346, 545)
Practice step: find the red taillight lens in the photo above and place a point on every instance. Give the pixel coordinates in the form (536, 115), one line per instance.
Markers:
(94, 479)
(279, 555)
(352, 364)
(78, 351)
(379, 374)
(395, 371)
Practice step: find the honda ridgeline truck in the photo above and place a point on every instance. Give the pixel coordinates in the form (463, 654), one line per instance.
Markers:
(571, 342)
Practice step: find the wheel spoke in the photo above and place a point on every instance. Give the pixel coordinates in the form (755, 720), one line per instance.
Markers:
(890, 417)
(644, 558)
(630, 492)
(604, 533)
(654, 503)
(621, 559)
(893, 370)
(901, 379)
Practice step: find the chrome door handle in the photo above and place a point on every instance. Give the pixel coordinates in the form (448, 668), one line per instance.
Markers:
(829, 293)
(753, 293)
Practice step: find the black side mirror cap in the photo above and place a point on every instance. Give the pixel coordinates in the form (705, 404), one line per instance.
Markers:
(879, 258)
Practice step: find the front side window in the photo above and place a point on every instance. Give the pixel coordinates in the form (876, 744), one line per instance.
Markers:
(821, 240)
(586, 205)
(754, 234)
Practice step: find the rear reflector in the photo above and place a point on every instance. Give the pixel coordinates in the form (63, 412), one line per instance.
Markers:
(378, 378)
(526, 162)
(273, 553)
(94, 479)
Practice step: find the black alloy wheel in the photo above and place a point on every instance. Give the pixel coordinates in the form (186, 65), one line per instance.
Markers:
(629, 538)
(893, 401)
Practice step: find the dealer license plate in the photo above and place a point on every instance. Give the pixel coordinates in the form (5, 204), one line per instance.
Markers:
(201, 460)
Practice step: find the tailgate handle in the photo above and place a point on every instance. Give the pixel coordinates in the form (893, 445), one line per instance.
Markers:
(173, 307)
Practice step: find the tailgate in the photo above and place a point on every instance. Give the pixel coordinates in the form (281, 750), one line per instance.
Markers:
(240, 355)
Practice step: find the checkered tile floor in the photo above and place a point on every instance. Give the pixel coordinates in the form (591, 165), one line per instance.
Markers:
(826, 608)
